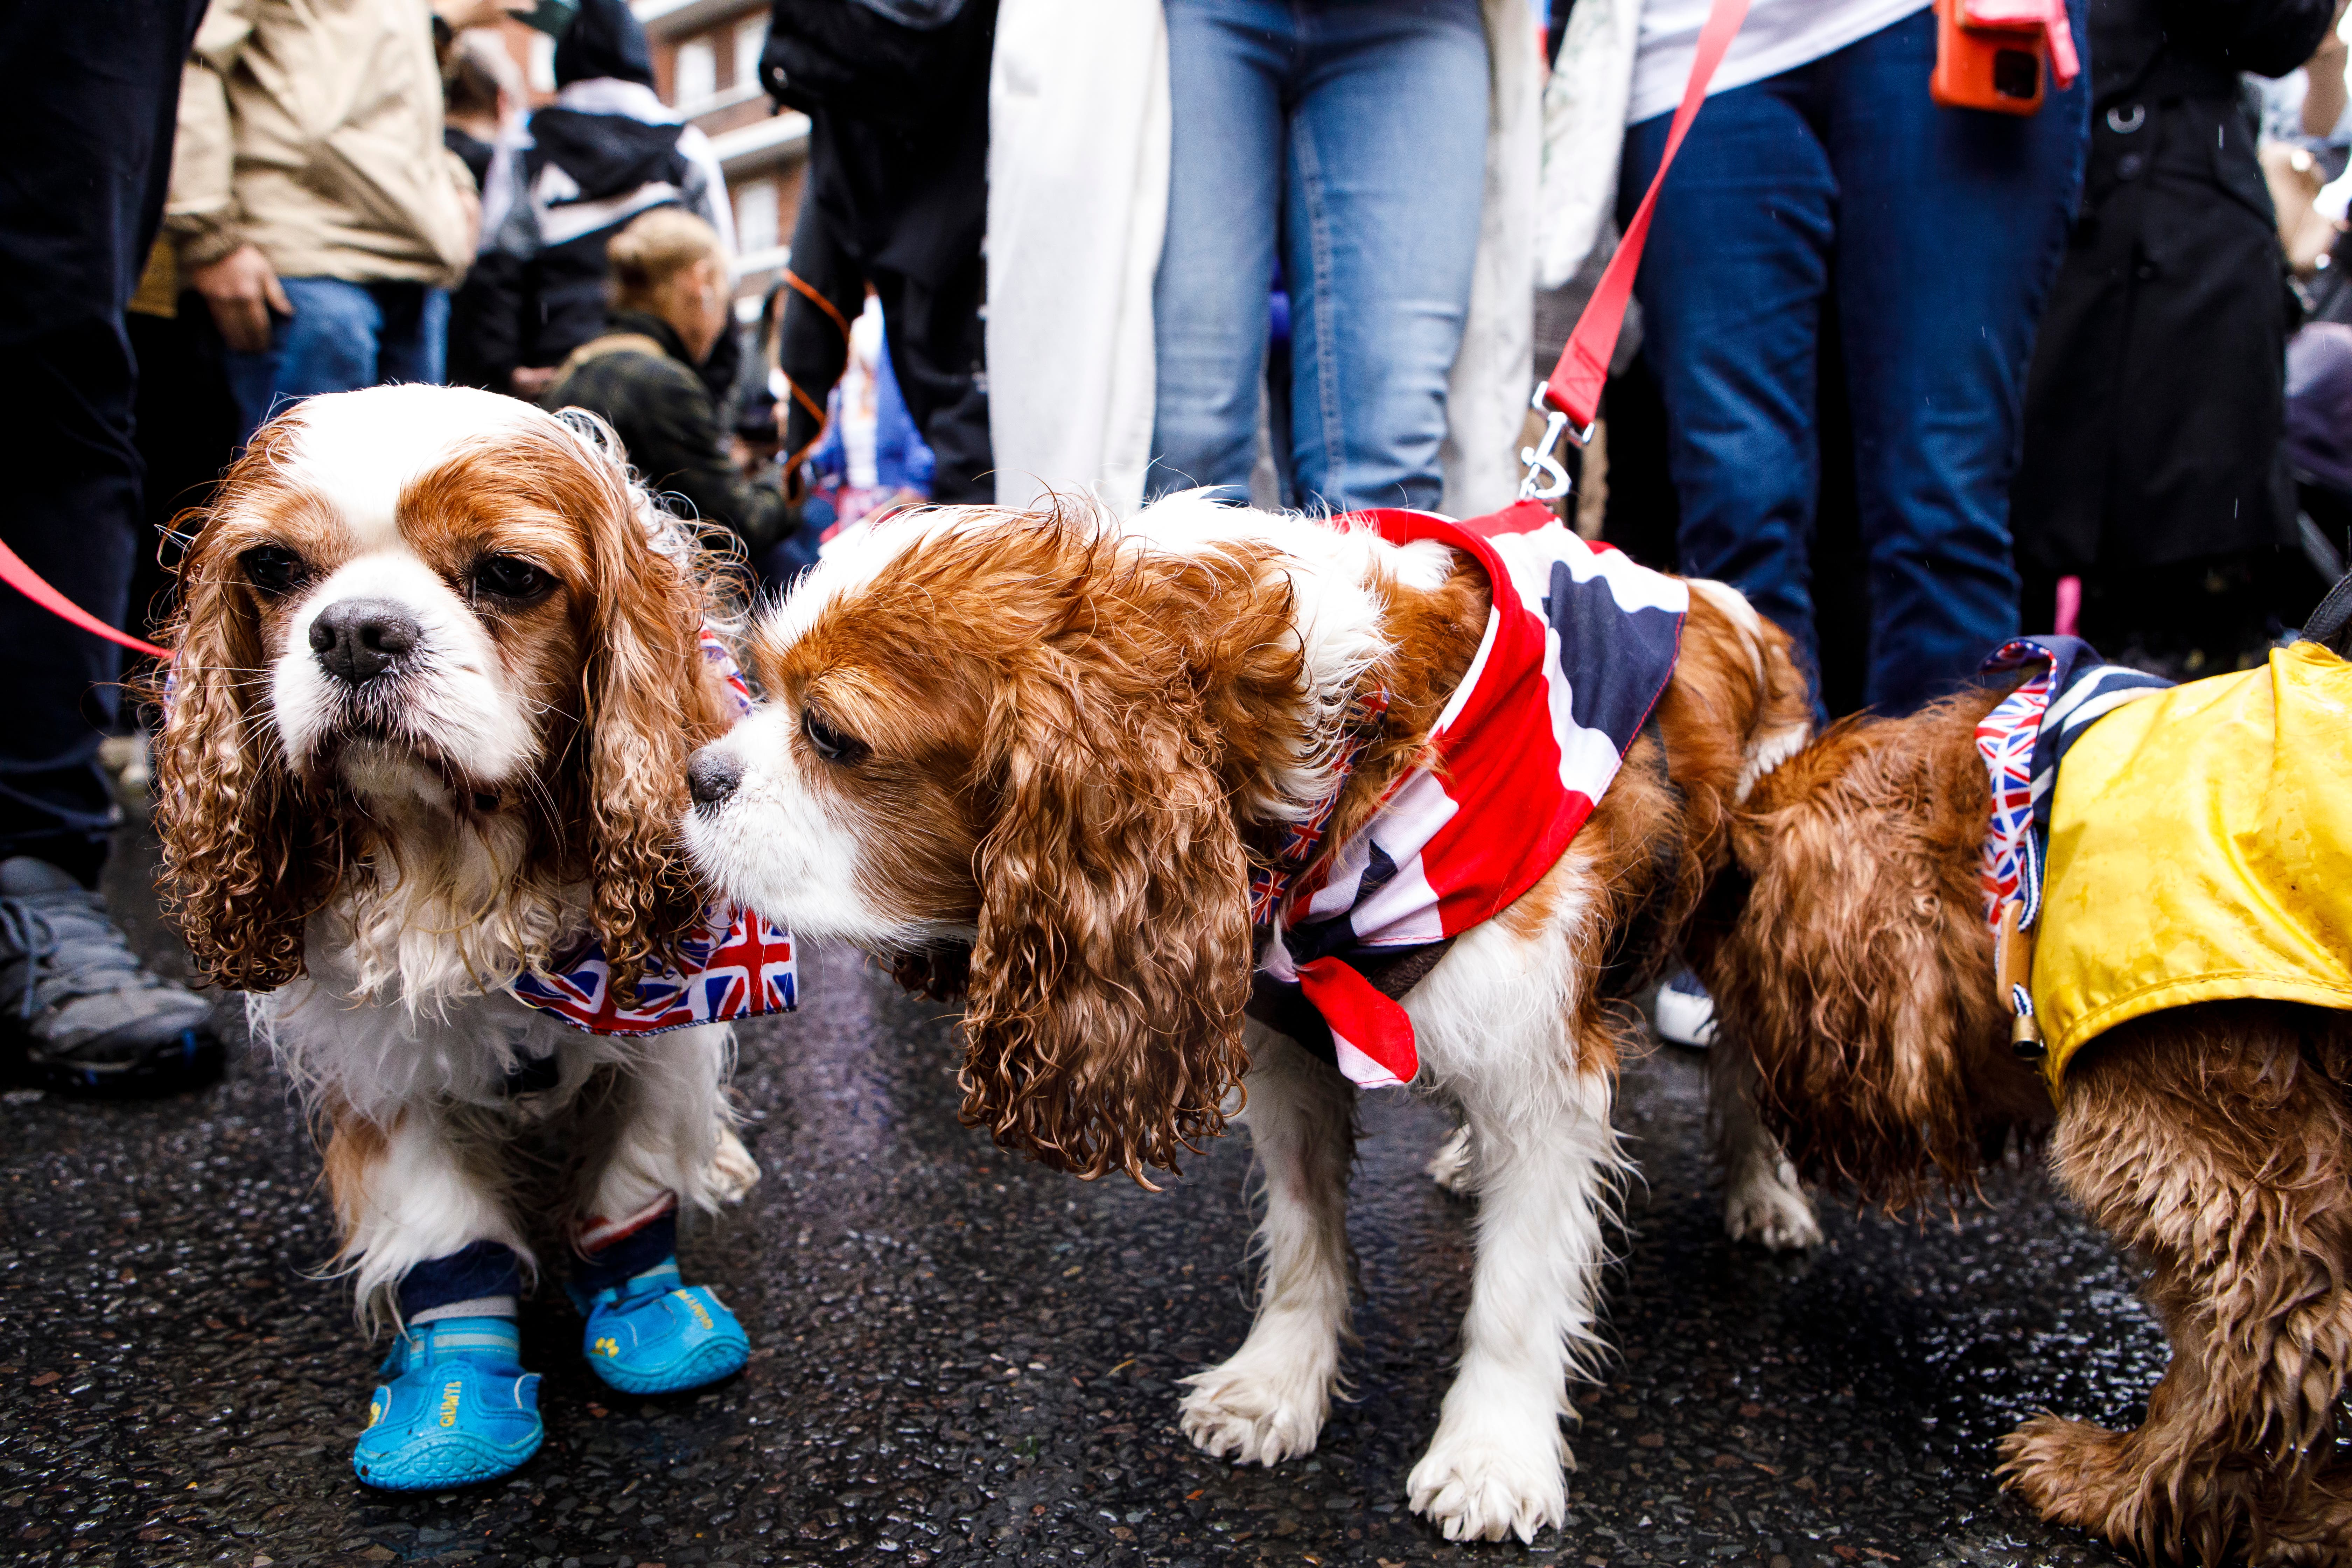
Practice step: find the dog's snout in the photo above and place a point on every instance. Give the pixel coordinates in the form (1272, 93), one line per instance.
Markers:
(359, 639)
(712, 777)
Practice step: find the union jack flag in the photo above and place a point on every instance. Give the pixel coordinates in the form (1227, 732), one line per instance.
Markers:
(1268, 884)
(740, 966)
(2024, 740)
(1579, 648)
(714, 652)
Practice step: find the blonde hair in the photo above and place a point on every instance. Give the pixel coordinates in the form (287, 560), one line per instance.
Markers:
(654, 249)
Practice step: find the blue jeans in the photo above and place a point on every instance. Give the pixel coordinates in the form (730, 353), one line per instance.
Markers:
(1351, 139)
(1934, 234)
(342, 336)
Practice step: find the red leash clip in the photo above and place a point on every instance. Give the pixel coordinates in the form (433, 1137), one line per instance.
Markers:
(1571, 399)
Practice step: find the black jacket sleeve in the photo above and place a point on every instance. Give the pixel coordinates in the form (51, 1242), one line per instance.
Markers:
(486, 318)
(678, 444)
(2268, 37)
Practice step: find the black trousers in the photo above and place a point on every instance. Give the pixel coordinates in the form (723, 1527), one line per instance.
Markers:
(904, 211)
(88, 136)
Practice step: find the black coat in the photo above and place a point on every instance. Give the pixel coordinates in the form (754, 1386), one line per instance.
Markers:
(667, 419)
(2155, 406)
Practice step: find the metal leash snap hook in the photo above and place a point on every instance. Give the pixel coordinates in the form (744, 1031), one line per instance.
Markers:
(1547, 478)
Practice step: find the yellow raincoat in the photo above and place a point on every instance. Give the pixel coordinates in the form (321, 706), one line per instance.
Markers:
(2201, 848)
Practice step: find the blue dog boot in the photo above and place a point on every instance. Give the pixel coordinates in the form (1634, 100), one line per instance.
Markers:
(459, 1407)
(650, 1334)
(459, 1410)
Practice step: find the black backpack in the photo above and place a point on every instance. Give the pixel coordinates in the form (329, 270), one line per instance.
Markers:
(893, 62)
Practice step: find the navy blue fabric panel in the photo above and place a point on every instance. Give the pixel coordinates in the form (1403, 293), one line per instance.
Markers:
(1336, 934)
(481, 1268)
(631, 1256)
(1616, 660)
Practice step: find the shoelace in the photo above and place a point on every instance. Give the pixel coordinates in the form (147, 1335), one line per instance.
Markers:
(28, 935)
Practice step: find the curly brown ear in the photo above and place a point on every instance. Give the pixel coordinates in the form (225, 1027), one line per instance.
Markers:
(648, 702)
(249, 852)
(1106, 984)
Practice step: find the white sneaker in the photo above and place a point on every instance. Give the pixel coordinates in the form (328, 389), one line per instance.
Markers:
(1685, 1015)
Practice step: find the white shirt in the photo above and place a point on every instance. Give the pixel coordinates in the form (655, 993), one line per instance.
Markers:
(1778, 35)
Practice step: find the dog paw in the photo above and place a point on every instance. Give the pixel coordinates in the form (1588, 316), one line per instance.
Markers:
(1483, 1487)
(1766, 1203)
(733, 1173)
(1258, 1415)
(1450, 1166)
(2066, 1470)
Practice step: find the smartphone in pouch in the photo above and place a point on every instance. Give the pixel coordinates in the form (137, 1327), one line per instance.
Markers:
(1999, 68)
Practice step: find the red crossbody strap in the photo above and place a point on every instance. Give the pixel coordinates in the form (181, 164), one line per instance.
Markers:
(34, 587)
(1574, 389)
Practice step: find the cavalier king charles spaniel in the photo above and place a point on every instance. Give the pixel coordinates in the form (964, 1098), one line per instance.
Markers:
(439, 668)
(1038, 759)
(2211, 1138)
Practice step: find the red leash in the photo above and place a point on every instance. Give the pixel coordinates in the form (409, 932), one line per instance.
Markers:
(1572, 398)
(34, 587)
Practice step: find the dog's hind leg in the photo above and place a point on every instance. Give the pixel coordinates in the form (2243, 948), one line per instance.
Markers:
(1268, 1401)
(2214, 1143)
(1762, 1199)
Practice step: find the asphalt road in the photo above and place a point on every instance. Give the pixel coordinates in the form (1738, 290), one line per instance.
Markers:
(963, 1359)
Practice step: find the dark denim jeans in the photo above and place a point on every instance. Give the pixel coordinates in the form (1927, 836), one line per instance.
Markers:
(1934, 234)
(341, 337)
(1350, 139)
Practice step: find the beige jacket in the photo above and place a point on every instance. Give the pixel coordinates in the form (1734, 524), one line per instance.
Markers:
(312, 129)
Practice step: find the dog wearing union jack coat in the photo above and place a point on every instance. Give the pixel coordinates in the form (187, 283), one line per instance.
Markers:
(440, 666)
(1218, 799)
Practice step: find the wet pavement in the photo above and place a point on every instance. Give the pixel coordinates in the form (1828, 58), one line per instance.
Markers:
(963, 1359)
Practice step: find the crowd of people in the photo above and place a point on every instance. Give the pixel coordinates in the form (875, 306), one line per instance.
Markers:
(1914, 378)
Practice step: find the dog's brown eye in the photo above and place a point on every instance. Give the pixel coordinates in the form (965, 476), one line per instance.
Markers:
(273, 568)
(829, 742)
(510, 578)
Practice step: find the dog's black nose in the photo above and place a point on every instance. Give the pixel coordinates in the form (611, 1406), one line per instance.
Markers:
(712, 777)
(358, 639)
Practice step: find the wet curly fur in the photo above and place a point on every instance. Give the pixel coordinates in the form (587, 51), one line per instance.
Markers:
(2213, 1143)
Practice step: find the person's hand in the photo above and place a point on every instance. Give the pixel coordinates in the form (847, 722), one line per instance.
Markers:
(529, 380)
(242, 290)
(461, 14)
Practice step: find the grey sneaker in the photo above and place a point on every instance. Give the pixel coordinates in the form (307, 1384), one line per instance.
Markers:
(76, 1002)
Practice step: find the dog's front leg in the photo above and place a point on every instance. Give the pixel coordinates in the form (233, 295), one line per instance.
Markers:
(1547, 1161)
(408, 1195)
(1269, 1401)
(1762, 1199)
(649, 1331)
(673, 1136)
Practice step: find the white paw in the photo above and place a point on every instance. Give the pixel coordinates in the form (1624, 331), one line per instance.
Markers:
(1483, 1486)
(1764, 1203)
(1450, 1166)
(1258, 1413)
(734, 1171)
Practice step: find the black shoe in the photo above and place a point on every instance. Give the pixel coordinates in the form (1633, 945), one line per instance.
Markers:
(78, 1009)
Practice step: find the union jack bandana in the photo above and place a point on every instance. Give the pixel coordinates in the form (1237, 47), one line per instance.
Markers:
(741, 965)
(1268, 884)
(2024, 740)
(714, 652)
(1578, 649)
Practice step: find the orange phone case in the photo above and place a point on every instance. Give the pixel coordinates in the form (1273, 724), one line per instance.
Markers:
(1999, 68)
